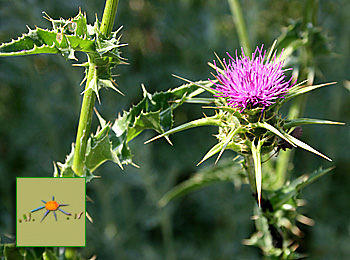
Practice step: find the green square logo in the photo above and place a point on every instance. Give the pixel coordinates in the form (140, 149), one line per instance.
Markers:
(50, 212)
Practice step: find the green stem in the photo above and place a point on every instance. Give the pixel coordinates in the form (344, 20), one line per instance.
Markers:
(166, 228)
(85, 120)
(297, 107)
(109, 16)
(250, 168)
(237, 16)
(89, 98)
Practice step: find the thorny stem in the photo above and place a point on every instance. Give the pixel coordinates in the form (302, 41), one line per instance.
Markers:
(84, 122)
(89, 98)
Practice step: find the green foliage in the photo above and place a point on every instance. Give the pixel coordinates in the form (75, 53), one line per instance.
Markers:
(240, 132)
(226, 171)
(65, 169)
(288, 193)
(290, 139)
(308, 121)
(297, 35)
(276, 222)
(299, 90)
(252, 134)
(68, 36)
(36, 121)
(11, 252)
(110, 143)
(233, 125)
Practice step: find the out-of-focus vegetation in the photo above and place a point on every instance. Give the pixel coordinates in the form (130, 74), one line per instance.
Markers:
(39, 107)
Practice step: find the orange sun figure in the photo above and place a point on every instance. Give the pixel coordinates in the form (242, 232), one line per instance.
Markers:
(52, 206)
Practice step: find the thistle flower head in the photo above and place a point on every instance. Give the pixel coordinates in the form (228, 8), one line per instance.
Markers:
(252, 82)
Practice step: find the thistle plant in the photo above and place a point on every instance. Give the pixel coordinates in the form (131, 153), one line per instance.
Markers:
(102, 49)
(248, 93)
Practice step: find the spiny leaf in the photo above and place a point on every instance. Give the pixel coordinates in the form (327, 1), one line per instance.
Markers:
(204, 101)
(307, 147)
(306, 180)
(206, 121)
(99, 150)
(65, 169)
(144, 121)
(120, 147)
(287, 192)
(198, 83)
(17, 48)
(152, 112)
(273, 130)
(222, 145)
(66, 37)
(108, 83)
(298, 90)
(308, 121)
(290, 139)
(101, 120)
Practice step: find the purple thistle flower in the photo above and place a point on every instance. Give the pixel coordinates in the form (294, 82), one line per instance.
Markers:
(249, 82)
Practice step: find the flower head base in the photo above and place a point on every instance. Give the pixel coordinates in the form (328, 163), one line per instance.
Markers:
(252, 82)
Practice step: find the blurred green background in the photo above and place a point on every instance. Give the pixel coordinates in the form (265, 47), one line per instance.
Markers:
(39, 108)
